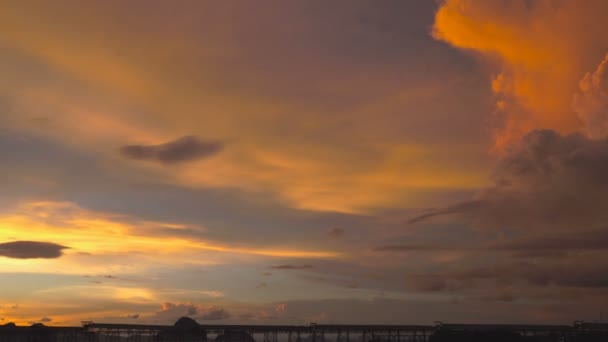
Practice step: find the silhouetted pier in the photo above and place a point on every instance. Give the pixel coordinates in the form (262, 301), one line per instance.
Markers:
(287, 333)
(188, 330)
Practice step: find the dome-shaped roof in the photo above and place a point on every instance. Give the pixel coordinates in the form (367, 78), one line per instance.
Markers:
(186, 323)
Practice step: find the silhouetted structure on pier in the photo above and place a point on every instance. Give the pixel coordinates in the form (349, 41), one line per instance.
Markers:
(184, 330)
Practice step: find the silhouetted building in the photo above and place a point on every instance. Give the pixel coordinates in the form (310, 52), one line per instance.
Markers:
(184, 330)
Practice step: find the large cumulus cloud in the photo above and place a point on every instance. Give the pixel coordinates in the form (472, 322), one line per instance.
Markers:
(538, 51)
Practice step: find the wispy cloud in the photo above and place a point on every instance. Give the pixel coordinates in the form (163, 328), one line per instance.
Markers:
(292, 267)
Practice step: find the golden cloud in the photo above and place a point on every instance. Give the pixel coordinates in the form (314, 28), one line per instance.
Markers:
(540, 50)
(101, 242)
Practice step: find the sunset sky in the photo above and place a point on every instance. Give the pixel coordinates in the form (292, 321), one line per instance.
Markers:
(288, 162)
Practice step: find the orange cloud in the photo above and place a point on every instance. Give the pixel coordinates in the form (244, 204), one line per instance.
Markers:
(131, 81)
(95, 239)
(541, 50)
(591, 104)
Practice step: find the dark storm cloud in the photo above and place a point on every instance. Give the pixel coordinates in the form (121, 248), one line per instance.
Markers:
(417, 311)
(579, 272)
(545, 244)
(574, 272)
(547, 182)
(292, 267)
(548, 206)
(184, 149)
(584, 240)
(31, 250)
